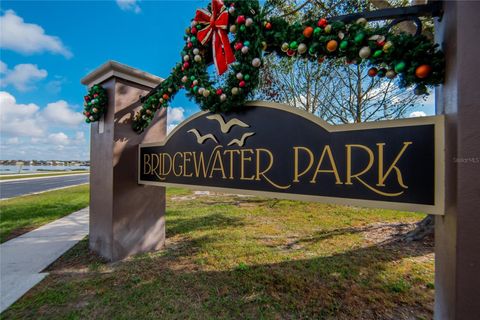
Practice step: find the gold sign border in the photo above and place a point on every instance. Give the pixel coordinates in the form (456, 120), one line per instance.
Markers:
(438, 121)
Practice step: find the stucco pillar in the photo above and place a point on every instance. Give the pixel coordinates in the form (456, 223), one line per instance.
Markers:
(125, 218)
(457, 234)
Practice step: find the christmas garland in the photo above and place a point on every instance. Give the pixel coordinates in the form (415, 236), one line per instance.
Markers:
(95, 103)
(414, 59)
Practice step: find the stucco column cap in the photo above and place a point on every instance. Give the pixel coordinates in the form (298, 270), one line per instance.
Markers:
(115, 69)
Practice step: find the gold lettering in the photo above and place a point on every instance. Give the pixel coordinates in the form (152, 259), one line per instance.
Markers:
(269, 166)
(146, 162)
(217, 158)
(243, 158)
(231, 161)
(186, 158)
(383, 176)
(164, 156)
(179, 166)
(296, 174)
(199, 163)
(328, 152)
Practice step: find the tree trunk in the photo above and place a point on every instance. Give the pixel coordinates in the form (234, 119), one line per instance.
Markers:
(424, 229)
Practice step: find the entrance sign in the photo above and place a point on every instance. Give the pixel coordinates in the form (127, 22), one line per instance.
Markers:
(279, 151)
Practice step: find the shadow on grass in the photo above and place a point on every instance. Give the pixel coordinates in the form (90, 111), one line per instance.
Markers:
(170, 285)
(205, 222)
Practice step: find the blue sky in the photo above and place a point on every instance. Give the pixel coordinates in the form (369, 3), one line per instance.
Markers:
(47, 47)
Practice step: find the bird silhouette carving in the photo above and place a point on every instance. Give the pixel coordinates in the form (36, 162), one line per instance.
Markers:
(241, 142)
(201, 139)
(226, 126)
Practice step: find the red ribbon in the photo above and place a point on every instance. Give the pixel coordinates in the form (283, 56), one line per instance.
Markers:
(217, 23)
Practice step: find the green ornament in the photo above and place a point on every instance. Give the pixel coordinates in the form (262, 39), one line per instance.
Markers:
(195, 89)
(193, 39)
(192, 78)
(246, 77)
(317, 31)
(400, 67)
(242, 27)
(343, 45)
(359, 37)
(293, 45)
(377, 53)
(311, 51)
(246, 43)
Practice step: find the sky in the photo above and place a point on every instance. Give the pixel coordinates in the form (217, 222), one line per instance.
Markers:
(46, 47)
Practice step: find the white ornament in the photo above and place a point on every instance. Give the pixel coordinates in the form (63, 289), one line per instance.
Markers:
(197, 58)
(186, 57)
(362, 21)
(390, 74)
(249, 22)
(206, 93)
(302, 48)
(195, 82)
(95, 110)
(170, 90)
(196, 51)
(92, 118)
(256, 62)
(233, 28)
(161, 100)
(328, 28)
(235, 91)
(231, 10)
(239, 76)
(200, 91)
(244, 50)
(193, 23)
(365, 52)
(223, 97)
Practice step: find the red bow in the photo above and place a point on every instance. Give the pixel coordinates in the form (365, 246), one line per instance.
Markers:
(216, 29)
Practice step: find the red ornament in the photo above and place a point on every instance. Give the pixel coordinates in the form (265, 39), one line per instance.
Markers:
(216, 30)
(423, 71)
(241, 84)
(238, 46)
(193, 30)
(290, 52)
(186, 65)
(268, 25)
(241, 19)
(95, 95)
(87, 98)
(322, 23)
(219, 91)
(87, 114)
(380, 43)
(190, 45)
(372, 72)
(165, 96)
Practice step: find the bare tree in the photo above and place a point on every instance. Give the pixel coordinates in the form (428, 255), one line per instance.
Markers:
(335, 91)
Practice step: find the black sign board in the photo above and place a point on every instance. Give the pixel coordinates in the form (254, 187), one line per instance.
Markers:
(279, 151)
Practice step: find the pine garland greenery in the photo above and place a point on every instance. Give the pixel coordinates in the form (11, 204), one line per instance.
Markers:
(95, 103)
(414, 60)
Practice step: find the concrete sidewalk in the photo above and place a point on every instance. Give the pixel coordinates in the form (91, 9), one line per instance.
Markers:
(24, 258)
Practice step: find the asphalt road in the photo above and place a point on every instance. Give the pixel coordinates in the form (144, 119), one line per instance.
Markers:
(10, 189)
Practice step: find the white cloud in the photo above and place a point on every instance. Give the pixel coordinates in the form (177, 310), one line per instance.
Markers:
(13, 140)
(3, 67)
(59, 138)
(170, 127)
(129, 5)
(19, 119)
(175, 115)
(23, 76)
(416, 114)
(28, 38)
(29, 120)
(60, 113)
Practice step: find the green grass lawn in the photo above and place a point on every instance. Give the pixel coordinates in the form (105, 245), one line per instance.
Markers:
(39, 175)
(23, 214)
(230, 257)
